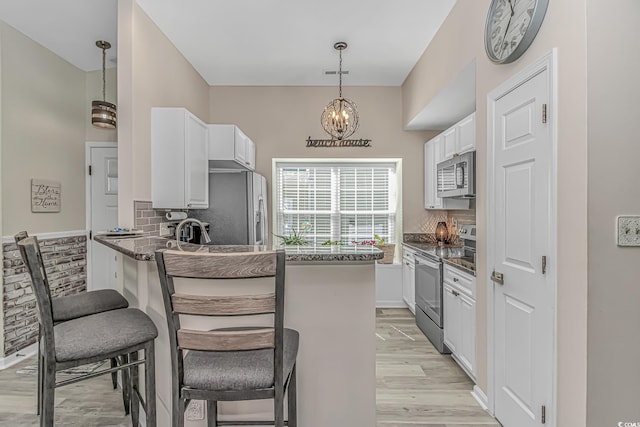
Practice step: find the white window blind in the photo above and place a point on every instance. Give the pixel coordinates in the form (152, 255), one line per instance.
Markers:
(338, 202)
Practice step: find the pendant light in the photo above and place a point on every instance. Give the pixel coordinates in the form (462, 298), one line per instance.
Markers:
(103, 113)
(340, 117)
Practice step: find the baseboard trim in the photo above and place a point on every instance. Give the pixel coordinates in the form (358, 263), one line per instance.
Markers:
(391, 304)
(481, 398)
(19, 356)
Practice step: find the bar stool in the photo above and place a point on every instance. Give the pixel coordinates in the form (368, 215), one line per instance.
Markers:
(79, 305)
(90, 339)
(231, 363)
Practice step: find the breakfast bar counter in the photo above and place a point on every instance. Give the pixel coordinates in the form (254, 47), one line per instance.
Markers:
(329, 299)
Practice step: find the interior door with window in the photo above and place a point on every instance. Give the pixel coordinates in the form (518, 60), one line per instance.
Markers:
(103, 214)
(523, 302)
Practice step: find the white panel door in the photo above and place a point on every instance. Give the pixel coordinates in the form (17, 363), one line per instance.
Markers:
(523, 304)
(103, 215)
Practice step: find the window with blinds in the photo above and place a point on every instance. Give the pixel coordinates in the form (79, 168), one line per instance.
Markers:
(337, 202)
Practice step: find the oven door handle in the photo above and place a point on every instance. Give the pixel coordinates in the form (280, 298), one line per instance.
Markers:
(431, 264)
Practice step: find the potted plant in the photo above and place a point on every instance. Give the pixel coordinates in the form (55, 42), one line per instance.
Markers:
(292, 239)
(388, 249)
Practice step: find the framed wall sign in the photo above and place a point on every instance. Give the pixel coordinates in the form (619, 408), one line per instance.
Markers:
(45, 195)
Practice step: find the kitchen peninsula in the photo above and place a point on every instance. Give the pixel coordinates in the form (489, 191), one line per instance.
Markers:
(330, 300)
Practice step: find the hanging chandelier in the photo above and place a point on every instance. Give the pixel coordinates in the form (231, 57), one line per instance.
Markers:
(103, 113)
(340, 117)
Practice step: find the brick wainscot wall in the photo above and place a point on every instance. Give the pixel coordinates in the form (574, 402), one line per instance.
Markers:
(65, 260)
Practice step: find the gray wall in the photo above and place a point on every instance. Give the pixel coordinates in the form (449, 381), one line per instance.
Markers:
(613, 371)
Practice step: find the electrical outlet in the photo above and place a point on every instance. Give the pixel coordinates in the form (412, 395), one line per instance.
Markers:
(164, 229)
(629, 230)
(195, 410)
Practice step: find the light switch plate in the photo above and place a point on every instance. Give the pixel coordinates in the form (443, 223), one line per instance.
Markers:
(628, 230)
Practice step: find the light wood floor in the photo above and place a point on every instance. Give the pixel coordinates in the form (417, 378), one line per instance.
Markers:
(416, 387)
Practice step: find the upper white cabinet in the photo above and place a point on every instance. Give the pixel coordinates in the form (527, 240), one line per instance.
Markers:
(466, 130)
(460, 137)
(230, 148)
(433, 151)
(460, 317)
(179, 160)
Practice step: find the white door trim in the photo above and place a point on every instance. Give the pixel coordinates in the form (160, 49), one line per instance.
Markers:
(547, 62)
(87, 198)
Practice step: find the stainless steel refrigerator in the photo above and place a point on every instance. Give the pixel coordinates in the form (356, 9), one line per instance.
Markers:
(237, 213)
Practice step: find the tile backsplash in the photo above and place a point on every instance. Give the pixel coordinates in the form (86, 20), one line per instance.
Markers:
(150, 220)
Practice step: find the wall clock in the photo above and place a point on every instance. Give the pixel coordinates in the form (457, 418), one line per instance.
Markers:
(511, 27)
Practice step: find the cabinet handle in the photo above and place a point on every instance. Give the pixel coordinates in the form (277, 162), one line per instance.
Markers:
(455, 279)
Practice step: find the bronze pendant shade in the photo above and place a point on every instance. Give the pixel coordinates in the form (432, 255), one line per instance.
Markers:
(103, 113)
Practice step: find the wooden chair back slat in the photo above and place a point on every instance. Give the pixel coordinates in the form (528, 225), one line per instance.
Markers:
(234, 265)
(226, 340)
(224, 305)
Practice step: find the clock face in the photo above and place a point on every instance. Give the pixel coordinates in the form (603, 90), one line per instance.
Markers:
(511, 27)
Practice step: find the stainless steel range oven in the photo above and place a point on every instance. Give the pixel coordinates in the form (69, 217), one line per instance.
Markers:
(429, 316)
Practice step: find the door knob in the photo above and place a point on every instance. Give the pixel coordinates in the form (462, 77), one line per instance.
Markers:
(497, 277)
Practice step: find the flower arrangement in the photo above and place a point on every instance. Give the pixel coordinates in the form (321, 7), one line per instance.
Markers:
(377, 240)
(388, 248)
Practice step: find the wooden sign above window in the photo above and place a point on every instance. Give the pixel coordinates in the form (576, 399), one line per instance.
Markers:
(318, 143)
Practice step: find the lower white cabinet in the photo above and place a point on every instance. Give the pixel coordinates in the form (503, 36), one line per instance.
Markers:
(409, 278)
(460, 318)
(389, 286)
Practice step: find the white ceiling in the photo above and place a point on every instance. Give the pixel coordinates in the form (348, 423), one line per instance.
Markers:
(290, 42)
(251, 42)
(69, 28)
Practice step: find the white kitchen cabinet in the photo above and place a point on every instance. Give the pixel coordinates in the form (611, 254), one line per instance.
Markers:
(230, 148)
(466, 129)
(409, 278)
(179, 160)
(460, 318)
(432, 155)
(450, 141)
(460, 138)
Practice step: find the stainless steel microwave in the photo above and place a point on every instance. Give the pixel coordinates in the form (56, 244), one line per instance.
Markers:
(456, 176)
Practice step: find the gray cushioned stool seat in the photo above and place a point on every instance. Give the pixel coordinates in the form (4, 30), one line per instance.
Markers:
(86, 303)
(102, 333)
(238, 370)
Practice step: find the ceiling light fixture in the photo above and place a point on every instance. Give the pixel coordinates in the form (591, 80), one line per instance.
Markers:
(103, 113)
(340, 117)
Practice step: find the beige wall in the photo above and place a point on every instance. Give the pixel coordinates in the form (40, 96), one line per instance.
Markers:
(43, 134)
(613, 67)
(459, 41)
(151, 73)
(280, 119)
(93, 92)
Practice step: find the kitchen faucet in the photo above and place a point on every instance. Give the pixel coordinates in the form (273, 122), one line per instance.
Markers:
(205, 235)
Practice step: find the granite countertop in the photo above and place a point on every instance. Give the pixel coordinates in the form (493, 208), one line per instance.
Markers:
(460, 264)
(144, 248)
